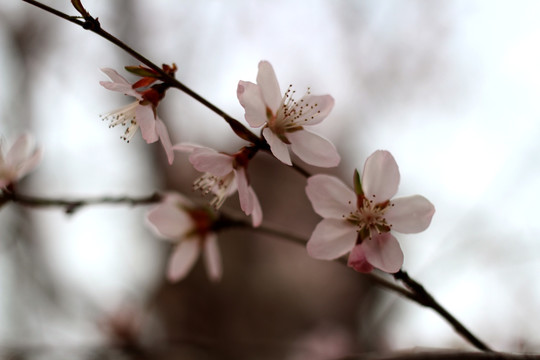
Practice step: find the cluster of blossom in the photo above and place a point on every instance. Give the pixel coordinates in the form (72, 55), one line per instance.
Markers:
(357, 221)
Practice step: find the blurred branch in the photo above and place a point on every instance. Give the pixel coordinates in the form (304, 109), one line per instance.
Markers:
(444, 355)
(71, 206)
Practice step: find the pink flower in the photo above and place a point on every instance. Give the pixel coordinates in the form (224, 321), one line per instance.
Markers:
(285, 119)
(18, 160)
(224, 174)
(141, 113)
(361, 221)
(177, 219)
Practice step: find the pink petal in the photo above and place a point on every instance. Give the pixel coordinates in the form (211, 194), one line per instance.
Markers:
(410, 214)
(251, 99)
(4, 181)
(246, 201)
(175, 199)
(145, 117)
(313, 149)
(315, 108)
(20, 150)
(267, 80)
(187, 147)
(29, 164)
(212, 257)
(331, 239)
(183, 258)
(256, 214)
(358, 261)
(330, 197)
(278, 147)
(383, 252)
(209, 160)
(380, 176)
(163, 134)
(169, 221)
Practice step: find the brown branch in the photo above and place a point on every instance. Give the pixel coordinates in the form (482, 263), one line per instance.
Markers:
(71, 206)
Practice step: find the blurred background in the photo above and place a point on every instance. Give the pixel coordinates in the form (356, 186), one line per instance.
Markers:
(450, 88)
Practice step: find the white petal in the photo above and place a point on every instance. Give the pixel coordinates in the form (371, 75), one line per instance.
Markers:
(163, 134)
(209, 160)
(267, 80)
(119, 84)
(169, 221)
(380, 176)
(114, 76)
(145, 117)
(183, 258)
(331, 239)
(315, 108)
(212, 257)
(313, 149)
(278, 147)
(330, 197)
(383, 252)
(410, 214)
(251, 99)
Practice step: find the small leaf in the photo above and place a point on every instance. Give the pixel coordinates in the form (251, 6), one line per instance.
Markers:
(140, 71)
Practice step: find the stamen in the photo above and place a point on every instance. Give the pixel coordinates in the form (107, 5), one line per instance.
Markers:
(220, 186)
(124, 116)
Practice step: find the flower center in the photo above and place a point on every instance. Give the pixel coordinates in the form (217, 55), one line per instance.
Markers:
(292, 114)
(220, 186)
(369, 217)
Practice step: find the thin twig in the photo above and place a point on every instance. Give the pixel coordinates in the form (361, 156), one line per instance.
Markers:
(426, 299)
(71, 206)
(92, 24)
